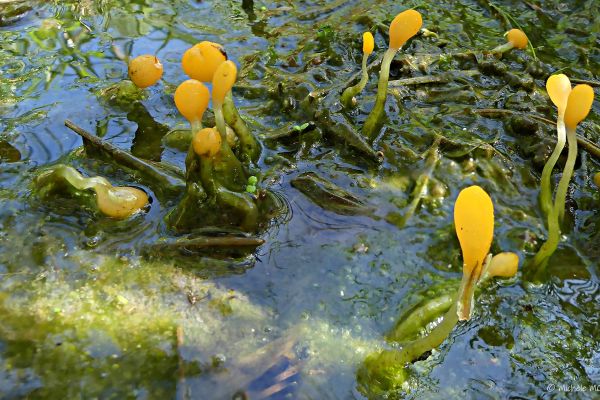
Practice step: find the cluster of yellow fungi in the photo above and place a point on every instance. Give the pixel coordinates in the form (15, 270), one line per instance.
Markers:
(573, 106)
(403, 27)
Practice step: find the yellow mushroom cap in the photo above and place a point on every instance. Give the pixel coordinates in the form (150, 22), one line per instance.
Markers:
(597, 179)
(223, 81)
(202, 60)
(504, 265)
(517, 37)
(368, 43)
(579, 105)
(403, 27)
(145, 70)
(559, 88)
(207, 142)
(120, 201)
(191, 99)
(474, 224)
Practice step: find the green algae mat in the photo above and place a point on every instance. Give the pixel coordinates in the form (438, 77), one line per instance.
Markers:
(325, 229)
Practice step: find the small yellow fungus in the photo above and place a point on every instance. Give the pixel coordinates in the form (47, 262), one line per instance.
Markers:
(120, 201)
(404, 26)
(517, 37)
(223, 81)
(474, 222)
(145, 71)
(202, 60)
(191, 99)
(579, 105)
(207, 142)
(504, 265)
(597, 179)
(558, 88)
(368, 43)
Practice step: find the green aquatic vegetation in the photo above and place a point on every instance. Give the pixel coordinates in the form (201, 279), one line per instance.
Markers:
(348, 100)
(474, 224)
(113, 201)
(578, 106)
(330, 196)
(404, 26)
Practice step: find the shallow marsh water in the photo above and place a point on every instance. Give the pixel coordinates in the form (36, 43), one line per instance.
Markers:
(85, 314)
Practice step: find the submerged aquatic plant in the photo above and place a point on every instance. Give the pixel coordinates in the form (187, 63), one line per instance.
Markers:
(474, 224)
(145, 71)
(348, 99)
(404, 26)
(515, 39)
(117, 202)
(578, 106)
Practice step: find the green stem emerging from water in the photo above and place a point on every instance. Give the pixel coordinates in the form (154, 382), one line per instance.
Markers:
(227, 166)
(563, 184)
(349, 93)
(546, 192)
(373, 122)
(540, 260)
(250, 148)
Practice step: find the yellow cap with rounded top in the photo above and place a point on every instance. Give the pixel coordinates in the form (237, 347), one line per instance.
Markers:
(579, 105)
(223, 81)
(474, 224)
(504, 265)
(558, 88)
(202, 60)
(368, 43)
(403, 27)
(120, 201)
(145, 71)
(207, 142)
(191, 99)
(517, 37)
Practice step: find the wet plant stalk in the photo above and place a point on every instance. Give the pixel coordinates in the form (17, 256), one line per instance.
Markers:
(413, 350)
(238, 201)
(420, 316)
(227, 164)
(540, 260)
(546, 192)
(563, 184)
(349, 93)
(250, 148)
(373, 122)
